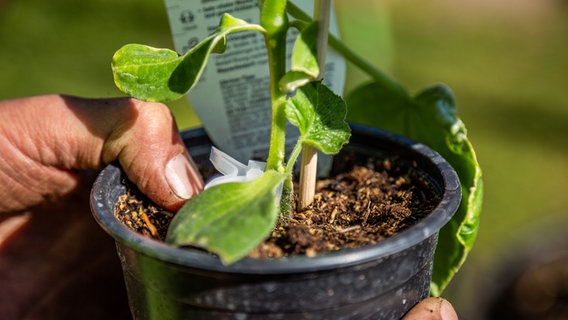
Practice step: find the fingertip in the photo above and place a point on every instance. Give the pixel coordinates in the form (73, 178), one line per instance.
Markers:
(183, 176)
(183, 179)
(432, 309)
(179, 175)
(170, 184)
(447, 311)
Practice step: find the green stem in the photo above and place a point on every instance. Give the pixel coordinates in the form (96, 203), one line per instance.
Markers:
(350, 55)
(293, 157)
(274, 20)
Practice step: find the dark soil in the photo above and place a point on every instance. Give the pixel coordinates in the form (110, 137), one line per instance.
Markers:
(361, 207)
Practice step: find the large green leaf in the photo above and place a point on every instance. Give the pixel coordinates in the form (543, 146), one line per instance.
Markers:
(430, 118)
(229, 219)
(320, 115)
(153, 74)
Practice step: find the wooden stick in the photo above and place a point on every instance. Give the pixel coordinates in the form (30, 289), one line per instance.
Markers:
(308, 171)
(308, 175)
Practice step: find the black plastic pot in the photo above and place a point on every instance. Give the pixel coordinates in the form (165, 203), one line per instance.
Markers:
(379, 281)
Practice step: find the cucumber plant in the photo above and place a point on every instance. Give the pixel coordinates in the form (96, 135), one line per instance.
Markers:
(231, 219)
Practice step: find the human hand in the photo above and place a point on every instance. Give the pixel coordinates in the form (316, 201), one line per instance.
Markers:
(432, 309)
(56, 262)
(45, 139)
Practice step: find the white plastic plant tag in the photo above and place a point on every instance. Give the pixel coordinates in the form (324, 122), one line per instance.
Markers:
(232, 99)
(232, 170)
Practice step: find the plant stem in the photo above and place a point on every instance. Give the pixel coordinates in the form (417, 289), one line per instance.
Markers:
(293, 157)
(309, 168)
(365, 66)
(350, 55)
(274, 20)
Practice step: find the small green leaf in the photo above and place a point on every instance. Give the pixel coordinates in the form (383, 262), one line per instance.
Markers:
(305, 52)
(144, 72)
(304, 65)
(229, 219)
(153, 74)
(292, 80)
(431, 118)
(320, 115)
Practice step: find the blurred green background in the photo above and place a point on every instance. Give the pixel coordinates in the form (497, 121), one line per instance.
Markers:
(507, 62)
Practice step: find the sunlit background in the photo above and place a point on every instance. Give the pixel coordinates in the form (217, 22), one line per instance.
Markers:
(506, 61)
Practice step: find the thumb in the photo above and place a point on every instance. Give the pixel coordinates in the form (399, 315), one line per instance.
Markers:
(153, 155)
(45, 139)
(432, 309)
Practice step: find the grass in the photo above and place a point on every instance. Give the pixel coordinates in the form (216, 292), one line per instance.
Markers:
(506, 62)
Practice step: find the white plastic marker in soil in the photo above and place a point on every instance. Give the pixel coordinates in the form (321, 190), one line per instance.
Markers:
(232, 99)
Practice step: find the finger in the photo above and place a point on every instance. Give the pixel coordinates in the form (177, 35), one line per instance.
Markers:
(153, 156)
(432, 309)
(144, 138)
(44, 139)
(33, 167)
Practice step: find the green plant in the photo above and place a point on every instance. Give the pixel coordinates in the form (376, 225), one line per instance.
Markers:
(231, 219)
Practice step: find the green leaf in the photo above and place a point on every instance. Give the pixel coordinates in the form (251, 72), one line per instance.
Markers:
(305, 52)
(431, 118)
(144, 72)
(153, 74)
(320, 115)
(229, 219)
(304, 64)
(292, 80)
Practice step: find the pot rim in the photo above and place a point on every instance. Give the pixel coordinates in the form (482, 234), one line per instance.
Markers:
(103, 212)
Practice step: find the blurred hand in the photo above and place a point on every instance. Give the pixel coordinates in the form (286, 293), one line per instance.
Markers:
(432, 309)
(44, 140)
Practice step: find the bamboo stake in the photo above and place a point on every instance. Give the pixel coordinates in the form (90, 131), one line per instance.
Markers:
(308, 171)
